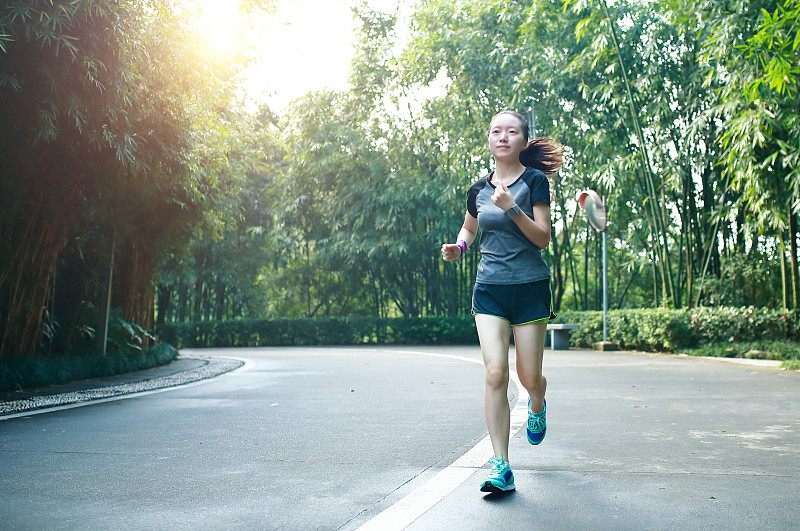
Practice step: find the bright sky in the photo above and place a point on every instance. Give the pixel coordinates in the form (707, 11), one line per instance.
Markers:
(305, 44)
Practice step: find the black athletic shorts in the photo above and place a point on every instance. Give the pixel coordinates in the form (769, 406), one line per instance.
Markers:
(518, 304)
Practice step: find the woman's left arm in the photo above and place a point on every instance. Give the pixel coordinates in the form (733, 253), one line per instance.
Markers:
(537, 230)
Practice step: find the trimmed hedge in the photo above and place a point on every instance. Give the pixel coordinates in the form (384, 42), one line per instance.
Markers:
(40, 372)
(652, 330)
(322, 331)
(661, 330)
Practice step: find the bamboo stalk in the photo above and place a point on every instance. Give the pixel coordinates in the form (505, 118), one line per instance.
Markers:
(658, 214)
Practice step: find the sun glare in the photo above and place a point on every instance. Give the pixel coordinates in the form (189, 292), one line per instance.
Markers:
(295, 47)
(218, 23)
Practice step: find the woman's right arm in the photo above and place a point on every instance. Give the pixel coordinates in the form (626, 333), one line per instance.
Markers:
(452, 251)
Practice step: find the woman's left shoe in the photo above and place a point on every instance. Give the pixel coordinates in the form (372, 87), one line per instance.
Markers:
(537, 424)
(501, 478)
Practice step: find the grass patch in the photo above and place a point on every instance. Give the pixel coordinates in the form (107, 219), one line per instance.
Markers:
(53, 370)
(786, 351)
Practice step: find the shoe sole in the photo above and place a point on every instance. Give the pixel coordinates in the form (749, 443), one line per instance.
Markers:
(489, 487)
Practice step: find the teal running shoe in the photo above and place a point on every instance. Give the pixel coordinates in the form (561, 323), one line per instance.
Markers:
(537, 424)
(500, 479)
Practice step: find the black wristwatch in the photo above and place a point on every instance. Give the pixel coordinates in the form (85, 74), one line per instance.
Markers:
(512, 212)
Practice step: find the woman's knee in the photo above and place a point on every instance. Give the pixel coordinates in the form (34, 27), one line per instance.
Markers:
(496, 375)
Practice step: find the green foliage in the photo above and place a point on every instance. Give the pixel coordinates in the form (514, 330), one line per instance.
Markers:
(359, 189)
(702, 331)
(714, 325)
(745, 279)
(321, 331)
(765, 349)
(752, 53)
(792, 364)
(217, 274)
(648, 330)
(349, 211)
(125, 336)
(665, 330)
(27, 373)
(115, 127)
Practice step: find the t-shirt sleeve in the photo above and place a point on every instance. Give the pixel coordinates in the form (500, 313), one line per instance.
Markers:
(472, 195)
(540, 191)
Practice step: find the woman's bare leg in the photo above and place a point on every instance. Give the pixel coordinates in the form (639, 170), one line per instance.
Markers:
(529, 342)
(494, 334)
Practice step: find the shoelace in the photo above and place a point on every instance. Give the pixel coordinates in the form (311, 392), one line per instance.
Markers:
(535, 423)
(498, 467)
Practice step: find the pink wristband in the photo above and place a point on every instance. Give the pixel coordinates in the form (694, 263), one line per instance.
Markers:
(463, 246)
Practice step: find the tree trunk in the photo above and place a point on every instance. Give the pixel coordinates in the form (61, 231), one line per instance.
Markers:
(793, 257)
(164, 310)
(656, 200)
(691, 242)
(220, 301)
(784, 286)
(197, 311)
(104, 302)
(26, 279)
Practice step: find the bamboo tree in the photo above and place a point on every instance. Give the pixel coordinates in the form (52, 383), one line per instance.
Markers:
(99, 99)
(656, 203)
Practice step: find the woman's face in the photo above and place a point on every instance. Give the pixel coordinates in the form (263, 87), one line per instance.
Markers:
(506, 138)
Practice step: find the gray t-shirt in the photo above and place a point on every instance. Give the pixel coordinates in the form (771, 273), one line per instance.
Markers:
(507, 256)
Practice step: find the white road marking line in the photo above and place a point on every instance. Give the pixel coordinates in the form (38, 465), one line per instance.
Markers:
(404, 512)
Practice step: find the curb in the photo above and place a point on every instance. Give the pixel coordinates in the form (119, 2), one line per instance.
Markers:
(213, 367)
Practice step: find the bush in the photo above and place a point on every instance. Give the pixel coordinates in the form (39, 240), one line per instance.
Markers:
(651, 330)
(662, 330)
(38, 372)
(323, 331)
(764, 349)
(715, 325)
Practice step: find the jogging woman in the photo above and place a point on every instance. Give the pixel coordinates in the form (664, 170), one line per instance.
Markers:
(511, 206)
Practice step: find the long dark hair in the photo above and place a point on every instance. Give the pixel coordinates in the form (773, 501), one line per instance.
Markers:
(541, 153)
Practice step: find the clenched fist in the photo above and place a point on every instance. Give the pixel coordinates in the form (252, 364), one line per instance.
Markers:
(451, 251)
(502, 198)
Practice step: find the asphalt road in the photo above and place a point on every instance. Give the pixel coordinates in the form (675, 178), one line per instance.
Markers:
(349, 438)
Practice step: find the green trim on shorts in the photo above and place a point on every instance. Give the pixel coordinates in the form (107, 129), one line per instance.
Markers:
(544, 320)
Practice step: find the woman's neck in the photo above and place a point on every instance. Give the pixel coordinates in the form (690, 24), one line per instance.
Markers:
(507, 173)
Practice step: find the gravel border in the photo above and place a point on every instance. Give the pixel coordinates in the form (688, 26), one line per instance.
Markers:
(213, 367)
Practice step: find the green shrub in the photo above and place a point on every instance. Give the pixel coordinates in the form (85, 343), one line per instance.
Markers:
(323, 331)
(38, 372)
(715, 325)
(659, 330)
(792, 364)
(590, 327)
(652, 330)
(649, 329)
(765, 350)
